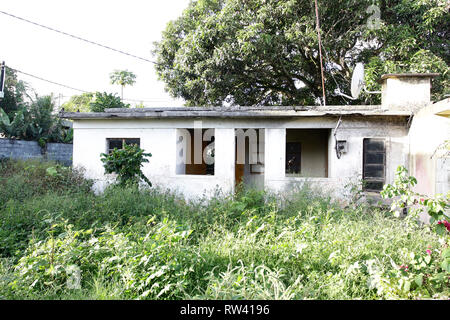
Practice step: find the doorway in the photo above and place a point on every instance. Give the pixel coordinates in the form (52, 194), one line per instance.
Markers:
(249, 158)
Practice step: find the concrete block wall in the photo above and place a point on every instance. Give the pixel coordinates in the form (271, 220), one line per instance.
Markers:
(24, 150)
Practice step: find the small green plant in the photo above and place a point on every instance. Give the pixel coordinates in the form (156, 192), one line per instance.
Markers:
(127, 163)
(428, 272)
(408, 201)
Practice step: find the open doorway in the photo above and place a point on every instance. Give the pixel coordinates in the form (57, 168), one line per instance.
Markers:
(249, 158)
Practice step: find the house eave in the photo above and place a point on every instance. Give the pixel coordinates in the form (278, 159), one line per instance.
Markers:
(234, 112)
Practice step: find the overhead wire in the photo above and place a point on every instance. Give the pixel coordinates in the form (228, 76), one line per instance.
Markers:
(157, 100)
(77, 37)
(42, 79)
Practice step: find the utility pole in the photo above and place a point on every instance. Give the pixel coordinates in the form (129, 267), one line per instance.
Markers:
(320, 51)
(2, 80)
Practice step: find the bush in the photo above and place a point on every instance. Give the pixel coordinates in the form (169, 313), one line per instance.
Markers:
(126, 163)
(35, 121)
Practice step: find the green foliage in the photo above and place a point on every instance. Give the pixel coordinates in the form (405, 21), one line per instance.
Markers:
(104, 101)
(22, 117)
(15, 93)
(406, 199)
(126, 163)
(131, 243)
(122, 78)
(79, 103)
(258, 52)
(35, 121)
(428, 271)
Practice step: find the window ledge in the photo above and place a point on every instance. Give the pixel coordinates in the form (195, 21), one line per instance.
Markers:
(195, 176)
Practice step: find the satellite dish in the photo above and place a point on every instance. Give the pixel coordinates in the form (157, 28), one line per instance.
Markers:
(357, 80)
(358, 83)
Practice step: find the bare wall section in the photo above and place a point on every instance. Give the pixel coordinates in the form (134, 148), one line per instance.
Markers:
(24, 150)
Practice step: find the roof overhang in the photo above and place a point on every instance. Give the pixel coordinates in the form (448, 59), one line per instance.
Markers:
(407, 75)
(234, 112)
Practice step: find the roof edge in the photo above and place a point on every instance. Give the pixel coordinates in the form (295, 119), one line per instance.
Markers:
(408, 75)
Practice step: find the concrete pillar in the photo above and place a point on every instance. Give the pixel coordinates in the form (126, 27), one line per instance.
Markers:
(275, 152)
(224, 157)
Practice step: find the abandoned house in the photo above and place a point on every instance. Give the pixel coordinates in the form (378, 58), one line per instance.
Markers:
(197, 150)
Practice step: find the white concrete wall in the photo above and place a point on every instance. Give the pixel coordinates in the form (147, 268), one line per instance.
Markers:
(405, 93)
(428, 164)
(158, 136)
(347, 169)
(90, 141)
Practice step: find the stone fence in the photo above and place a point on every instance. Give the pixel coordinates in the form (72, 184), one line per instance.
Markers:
(20, 149)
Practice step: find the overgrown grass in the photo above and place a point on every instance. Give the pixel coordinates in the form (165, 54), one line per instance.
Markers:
(152, 244)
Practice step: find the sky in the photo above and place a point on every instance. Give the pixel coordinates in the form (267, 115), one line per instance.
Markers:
(131, 26)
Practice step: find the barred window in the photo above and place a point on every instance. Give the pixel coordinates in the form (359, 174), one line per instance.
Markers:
(118, 143)
(374, 164)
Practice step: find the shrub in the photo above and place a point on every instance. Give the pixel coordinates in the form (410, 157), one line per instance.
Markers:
(35, 121)
(127, 163)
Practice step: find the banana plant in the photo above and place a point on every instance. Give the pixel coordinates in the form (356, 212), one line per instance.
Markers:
(13, 129)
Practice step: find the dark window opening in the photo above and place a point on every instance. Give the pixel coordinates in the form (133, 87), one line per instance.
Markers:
(374, 164)
(306, 153)
(118, 143)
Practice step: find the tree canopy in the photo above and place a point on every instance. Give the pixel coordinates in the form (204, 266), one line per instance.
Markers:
(122, 78)
(79, 103)
(265, 52)
(15, 93)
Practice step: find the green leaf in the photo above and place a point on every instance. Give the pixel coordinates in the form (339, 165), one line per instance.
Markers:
(446, 265)
(419, 280)
(446, 253)
(4, 117)
(440, 229)
(51, 171)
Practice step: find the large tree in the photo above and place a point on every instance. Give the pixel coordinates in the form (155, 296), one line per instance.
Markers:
(265, 52)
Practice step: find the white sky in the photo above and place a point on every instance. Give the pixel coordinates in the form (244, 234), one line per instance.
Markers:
(131, 26)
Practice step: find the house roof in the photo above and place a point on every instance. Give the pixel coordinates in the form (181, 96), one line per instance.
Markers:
(442, 108)
(235, 112)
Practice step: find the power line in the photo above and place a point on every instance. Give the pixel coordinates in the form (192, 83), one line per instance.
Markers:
(331, 72)
(42, 79)
(84, 91)
(76, 37)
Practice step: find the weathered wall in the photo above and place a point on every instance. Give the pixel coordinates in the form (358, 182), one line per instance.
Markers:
(314, 151)
(405, 93)
(20, 149)
(347, 169)
(158, 136)
(428, 164)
